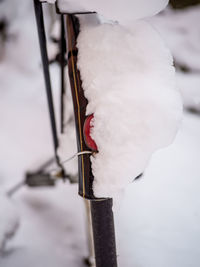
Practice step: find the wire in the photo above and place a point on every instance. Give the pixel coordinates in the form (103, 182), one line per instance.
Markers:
(75, 155)
(19, 185)
(72, 157)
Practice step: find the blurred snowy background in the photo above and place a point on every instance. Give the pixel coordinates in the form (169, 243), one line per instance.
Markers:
(158, 223)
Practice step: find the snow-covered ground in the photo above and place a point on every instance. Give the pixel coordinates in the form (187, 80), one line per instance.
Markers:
(158, 223)
(178, 29)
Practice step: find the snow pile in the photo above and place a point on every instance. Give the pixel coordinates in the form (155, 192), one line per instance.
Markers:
(9, 220)
(128, 79)
(119, 10)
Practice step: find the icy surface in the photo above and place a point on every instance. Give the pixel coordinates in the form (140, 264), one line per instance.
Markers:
(9, 220)
(129, 82)
(117, 10)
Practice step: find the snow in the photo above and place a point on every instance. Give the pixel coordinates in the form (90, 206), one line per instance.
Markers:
(159, 220)
(129, 82)
(190, 89)
(177, 28)
(49, 1)
(116, 10)
(9, 220)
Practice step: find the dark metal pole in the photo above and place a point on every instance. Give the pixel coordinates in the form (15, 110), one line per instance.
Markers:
(101, 209)
(103, 233)
(62, 68)
(45, 63)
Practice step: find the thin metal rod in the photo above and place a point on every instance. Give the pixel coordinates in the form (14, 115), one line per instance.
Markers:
(70, 158)
(62, 68)
(45, 165)
(103, 233)
(15, 188)
(45, 64)
(90, 242)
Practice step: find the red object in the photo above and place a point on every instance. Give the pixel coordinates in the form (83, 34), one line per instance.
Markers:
(86, 131)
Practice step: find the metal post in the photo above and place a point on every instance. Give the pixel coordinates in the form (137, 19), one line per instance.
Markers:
(45, 64)
(103, 233)
(101, 209)
(90, 260)
(62, 68)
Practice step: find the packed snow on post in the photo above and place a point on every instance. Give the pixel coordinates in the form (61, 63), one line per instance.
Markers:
(128, 79)
(116, 10)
